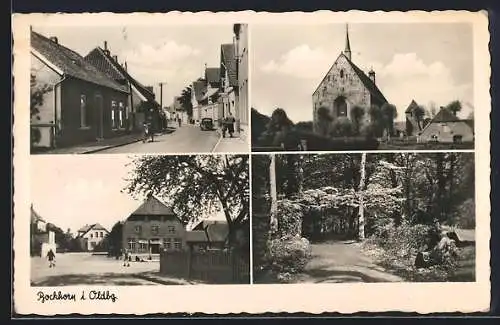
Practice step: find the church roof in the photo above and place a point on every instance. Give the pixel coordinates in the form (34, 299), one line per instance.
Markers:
(367, 82)
(412, 106)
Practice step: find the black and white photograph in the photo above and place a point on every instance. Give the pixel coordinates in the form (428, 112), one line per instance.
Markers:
(360, 86)
(139, 89)
(140, 220)
(367, 217)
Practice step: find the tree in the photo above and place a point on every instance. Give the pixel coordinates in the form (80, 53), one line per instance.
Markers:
(115, 239)
(357, 113)
(37, 93)
(419, 112)
(455, 107)
(376, 120)
(197, 186)
(361, 218)
(185, 100)
(389, 113)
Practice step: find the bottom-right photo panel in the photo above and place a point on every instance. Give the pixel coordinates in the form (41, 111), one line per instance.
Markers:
(363, 217)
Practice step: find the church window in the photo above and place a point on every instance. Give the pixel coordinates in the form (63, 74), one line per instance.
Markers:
(341, 73)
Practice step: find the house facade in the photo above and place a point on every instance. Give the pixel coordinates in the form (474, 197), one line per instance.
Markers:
(141, 104)
(153, 227)
(344, 86)
(446, 127)
(41, 239)
(242, 103)
(80, 103)
(90, 236)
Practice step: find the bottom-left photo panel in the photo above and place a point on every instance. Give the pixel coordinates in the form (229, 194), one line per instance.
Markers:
(139, 220)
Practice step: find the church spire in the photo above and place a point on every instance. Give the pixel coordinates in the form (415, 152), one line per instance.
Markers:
(347, 50)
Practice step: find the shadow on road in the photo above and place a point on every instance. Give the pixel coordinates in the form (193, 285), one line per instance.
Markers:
(342, 276)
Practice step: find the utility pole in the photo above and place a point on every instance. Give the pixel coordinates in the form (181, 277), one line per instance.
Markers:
(161, 93)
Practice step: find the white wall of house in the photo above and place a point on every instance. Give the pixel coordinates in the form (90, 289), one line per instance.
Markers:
(93, 238)
(445, 132)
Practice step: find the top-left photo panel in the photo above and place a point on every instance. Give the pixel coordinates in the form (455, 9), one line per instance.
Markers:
(139, 89)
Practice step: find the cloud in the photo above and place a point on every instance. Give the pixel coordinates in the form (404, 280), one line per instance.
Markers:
(160, 55)
(300, 62)
(408, 77)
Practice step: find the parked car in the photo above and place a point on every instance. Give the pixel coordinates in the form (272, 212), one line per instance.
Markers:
(206, 124)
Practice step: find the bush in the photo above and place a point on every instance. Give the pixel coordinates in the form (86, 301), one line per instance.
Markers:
(465, 217)
(445, 253)
(289, 254)
(342, 127)
(406, 240)
(289, 217)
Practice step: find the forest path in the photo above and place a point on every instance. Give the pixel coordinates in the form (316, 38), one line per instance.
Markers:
(343, 261)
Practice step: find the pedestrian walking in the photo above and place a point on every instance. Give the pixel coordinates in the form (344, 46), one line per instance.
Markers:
(52, 258)
(230, 124)
(126, 261)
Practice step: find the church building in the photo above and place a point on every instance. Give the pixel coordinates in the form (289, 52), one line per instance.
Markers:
(344, 86)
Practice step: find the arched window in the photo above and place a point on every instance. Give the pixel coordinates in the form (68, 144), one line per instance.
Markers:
(341, 73)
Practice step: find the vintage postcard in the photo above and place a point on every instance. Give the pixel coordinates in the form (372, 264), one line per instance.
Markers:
(251, 162)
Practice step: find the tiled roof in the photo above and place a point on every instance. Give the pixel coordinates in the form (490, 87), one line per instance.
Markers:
(107, 64)
(85, 229)
(470, 122)
(212, 75)
(413, 105)
(368, 83)
(72, 63)
(227, 57)
(153, 206)
(217, 230)
(200, 89)
(444, 115)
(196, 236)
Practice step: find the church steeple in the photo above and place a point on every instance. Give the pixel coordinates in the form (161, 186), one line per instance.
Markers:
(347, 50)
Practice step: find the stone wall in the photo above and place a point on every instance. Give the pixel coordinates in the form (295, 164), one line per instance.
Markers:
(340, 81)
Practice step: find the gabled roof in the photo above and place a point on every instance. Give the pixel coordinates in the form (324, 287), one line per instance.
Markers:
(105, 63)
(216, 230)
(35, 217)
(444, 115)
(367, 82)
(200, 89)
(70, 63)
(153, 206)
(212, 75)
(196, 236)
(85, 229)
(470, 122)
(229, 60)
(413, 105)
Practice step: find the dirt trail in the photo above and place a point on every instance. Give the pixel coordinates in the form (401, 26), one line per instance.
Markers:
(343, 261)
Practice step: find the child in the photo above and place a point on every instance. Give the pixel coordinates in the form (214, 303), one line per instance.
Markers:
(51, 257)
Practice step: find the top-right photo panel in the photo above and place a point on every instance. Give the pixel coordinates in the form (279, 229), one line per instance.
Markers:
(362, 86)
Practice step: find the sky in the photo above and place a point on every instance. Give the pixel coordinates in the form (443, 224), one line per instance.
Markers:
(431, 63)
(174, 54)
(71, 191)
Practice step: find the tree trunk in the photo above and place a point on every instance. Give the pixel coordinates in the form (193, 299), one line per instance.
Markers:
(361, 216)
(273, 191)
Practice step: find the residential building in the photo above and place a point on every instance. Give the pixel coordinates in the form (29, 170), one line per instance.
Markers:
(229, 81)
(208, 234)
(242, 103)
(446, 127)
(152, 228)
(90, 236)
(41, 238)
(141, 104)
(344, 86)
(80, 103)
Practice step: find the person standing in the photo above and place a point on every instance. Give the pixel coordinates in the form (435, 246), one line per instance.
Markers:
(126, 260)
(230, 124)
(52, 258)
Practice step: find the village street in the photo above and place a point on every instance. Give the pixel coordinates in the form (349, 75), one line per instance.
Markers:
(88, 269)
(186, 139)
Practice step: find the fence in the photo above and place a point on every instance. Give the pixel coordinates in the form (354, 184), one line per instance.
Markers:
(211, 266)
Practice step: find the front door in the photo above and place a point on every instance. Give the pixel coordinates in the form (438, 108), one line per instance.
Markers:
(99, 117)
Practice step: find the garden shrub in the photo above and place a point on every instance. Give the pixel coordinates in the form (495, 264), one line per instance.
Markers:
(289, 215)
(445, 253)
(289, 254)
(406, 239)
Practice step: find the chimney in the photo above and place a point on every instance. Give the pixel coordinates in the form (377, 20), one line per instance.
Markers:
(125, 64)
(115, 57)
(54, 39)
(106, 48)
(371, 75)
